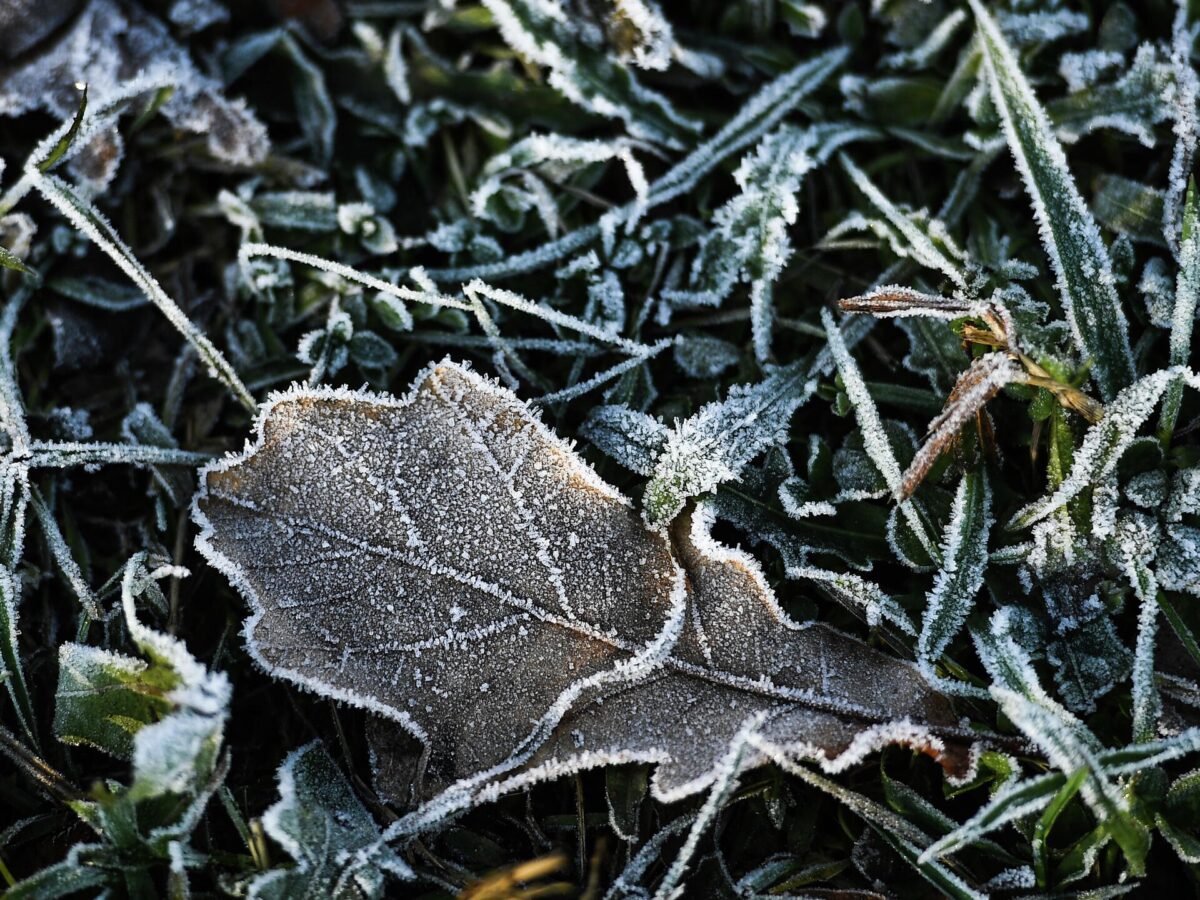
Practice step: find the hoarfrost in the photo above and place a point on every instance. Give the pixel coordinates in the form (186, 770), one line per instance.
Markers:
(715, 444)
(875, 438)
(542, 32)
(1105, 443)
(964, 561)
(749, 241)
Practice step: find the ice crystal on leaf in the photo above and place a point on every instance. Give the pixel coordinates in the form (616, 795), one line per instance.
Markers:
(715, 444)
(579, 66)
(474, 589)
(167, 715)
(1105, 442)
(965, 557)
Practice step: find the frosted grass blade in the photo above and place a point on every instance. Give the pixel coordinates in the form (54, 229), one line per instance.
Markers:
(1072, 238)
(88, 220)
(760, 114)
(964, 560)
(1104, 443)
(875, 439)
(1183, 317)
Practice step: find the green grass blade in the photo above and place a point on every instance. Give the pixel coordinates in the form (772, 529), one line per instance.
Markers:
(64, 143)
(1046, 822)
(965, 557)
(1077, 253)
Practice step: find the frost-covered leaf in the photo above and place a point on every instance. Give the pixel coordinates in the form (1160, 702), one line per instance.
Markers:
(1134, 103)
(1022, 797)
(1183, 108)
(1065, 740)
(545, 33)
(749, 241)
(91, 222)
(1179, 560)
(964, 561)
(327, 831)
(521, 177)
(1073, 243)
(513, 597)
(632, 438)
(874, 436)
(1183, 315)
(703, 356)
(979, 383)
(104, 699)
(167, 715)
(314, 107)
(177, 754)
(1136, 541)
(758, 115)
(714, 445)
(109, 43)
(1089, 660)
(926, 241)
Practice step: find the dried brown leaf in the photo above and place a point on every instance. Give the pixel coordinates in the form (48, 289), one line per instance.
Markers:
(978, 383)
(446, 562)
(894, 301)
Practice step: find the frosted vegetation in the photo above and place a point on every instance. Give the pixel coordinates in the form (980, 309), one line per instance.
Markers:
(546, 447)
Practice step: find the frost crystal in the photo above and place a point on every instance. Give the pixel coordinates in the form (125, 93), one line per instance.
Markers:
(715, 444)
(325, 828)
(543, 32)
(964, 560)
(1105, 442)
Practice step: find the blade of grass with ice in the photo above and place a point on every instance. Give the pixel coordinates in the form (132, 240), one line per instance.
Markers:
(875, 439)
(964, 561)
(1064, 739)
(1072, 238)
(1105, 443)
(918, 243)
(1183, 318)
(88, 220)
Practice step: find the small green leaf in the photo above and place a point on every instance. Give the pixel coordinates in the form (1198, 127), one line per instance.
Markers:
(104, 699)
(10, 260)
(1046, 822)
